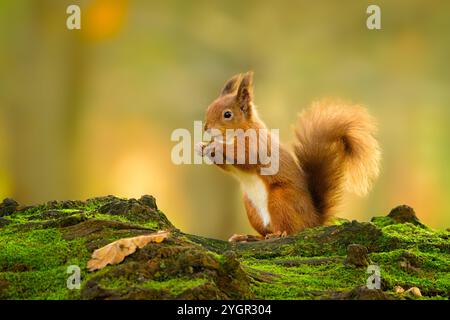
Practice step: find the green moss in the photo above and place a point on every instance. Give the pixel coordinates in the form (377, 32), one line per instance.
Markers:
(382, 221)
(39, 249)
(32, 215)
(68, 210)
(48, 284)
(338, 221)
(431, 275)
(174, 286)
(319, 241)
(304, 280)
(407, 235)
(148, 224)
(34, 257)
(33, 264)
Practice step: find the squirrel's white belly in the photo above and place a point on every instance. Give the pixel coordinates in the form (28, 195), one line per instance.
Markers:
(256, 191)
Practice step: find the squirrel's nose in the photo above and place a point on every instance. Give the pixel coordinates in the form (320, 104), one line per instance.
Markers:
(205, 127)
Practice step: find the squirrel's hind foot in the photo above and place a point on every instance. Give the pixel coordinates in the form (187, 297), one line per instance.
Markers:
(244, 238)
(251, 238)
(277, 234)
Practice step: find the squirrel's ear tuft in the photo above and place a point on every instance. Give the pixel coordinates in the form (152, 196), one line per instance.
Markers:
(231, 85)
(244, 94)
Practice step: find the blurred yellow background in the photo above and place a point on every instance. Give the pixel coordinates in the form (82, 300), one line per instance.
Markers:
(89, 112)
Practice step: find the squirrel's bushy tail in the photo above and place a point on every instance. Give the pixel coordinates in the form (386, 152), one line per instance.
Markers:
(337, 151)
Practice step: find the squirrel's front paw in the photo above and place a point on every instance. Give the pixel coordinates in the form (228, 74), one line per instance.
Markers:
(243, 238)
(212, 149)
(199, 148)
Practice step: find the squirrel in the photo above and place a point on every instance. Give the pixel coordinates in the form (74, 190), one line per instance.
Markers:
(335, 151)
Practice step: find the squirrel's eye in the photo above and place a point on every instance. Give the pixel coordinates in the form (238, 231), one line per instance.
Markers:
(227, 114)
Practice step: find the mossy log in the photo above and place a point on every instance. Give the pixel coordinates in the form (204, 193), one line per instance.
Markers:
(39, 243)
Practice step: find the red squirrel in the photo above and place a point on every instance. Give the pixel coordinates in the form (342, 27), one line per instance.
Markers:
(335, 151)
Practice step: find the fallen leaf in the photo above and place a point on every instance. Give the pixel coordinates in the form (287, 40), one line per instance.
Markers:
(116, 251)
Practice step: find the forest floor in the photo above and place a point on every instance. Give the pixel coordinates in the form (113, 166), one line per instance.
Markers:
(39, 243)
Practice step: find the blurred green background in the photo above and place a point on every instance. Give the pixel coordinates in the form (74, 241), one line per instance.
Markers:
(90, 112)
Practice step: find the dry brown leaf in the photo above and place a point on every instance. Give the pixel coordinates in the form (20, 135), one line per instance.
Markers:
(116, 251)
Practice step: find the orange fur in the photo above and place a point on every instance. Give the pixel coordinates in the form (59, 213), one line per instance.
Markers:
(335, 151)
